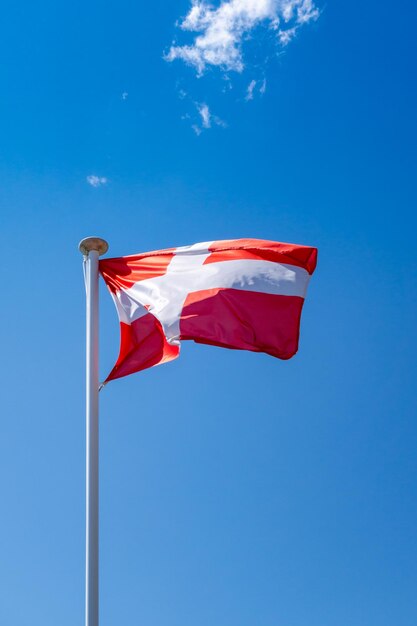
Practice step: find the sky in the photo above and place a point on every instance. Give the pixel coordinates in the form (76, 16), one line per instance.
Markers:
(236, 489)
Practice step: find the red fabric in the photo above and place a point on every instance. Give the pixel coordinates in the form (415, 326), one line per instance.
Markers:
(243, 320)
(125, 271)
(287, 253)
(142, 345)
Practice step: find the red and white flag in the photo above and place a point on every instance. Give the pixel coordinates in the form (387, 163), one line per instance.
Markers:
(245, 294)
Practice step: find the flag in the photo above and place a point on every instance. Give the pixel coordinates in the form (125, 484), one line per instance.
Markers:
(244, 294)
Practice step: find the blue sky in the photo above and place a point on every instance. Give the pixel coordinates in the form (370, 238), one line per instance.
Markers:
(235, 489)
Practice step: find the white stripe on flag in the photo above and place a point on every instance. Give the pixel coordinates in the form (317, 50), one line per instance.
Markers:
(164, 296)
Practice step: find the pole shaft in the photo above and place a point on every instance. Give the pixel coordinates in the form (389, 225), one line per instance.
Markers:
(92, 443)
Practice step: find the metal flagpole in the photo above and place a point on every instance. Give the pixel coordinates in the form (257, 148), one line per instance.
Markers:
(91, 248)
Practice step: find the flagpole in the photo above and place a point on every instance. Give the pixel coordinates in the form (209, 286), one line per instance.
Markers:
(92, 248)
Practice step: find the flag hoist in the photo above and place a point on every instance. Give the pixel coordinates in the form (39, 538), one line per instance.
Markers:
(92, 248)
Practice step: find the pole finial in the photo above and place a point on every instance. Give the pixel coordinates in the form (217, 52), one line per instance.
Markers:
(93, 243)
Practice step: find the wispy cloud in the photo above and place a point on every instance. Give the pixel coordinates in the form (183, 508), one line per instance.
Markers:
(255, 86)
(249, 91)
(96, 181)
(221, 31)
(125, 95)
(285, 36)
(207, 119)
(205, 115)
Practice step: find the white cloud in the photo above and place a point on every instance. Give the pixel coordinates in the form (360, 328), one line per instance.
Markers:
(207, 119)
(306, 11)
(252, 88)
(205, 115)
(249, 91)
(125, 95)
(285, 36)
(96, 181)
(221, 31)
